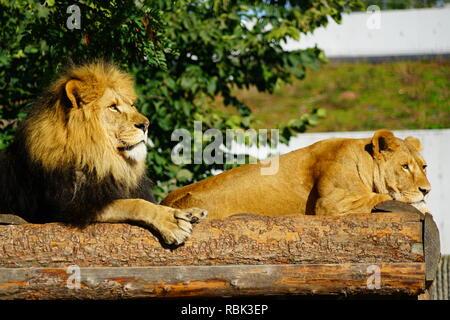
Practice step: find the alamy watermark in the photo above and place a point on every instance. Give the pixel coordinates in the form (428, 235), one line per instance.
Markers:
(373, 22)
(74, 20)
(190, 150)
(74, 279)
(374, 279)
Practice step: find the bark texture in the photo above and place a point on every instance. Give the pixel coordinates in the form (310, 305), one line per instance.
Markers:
(244, 239)
(237, 256)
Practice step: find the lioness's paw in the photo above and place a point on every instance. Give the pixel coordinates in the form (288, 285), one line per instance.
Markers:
(177, 228)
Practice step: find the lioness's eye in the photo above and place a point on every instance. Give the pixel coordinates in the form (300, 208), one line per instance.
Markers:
(424, 166)
(114, 108)
(405, 166)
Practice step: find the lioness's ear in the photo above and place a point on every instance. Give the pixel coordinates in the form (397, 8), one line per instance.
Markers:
(72, 92)
(414, 142)
(382, 142)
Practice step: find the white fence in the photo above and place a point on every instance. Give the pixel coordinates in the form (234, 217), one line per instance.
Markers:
(382, 33)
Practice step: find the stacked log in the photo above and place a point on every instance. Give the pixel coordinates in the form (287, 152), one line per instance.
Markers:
(244, 255)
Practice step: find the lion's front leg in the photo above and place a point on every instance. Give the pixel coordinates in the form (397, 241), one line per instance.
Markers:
(174, 225)
(341, 203)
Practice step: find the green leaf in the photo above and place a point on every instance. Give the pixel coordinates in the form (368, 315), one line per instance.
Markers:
(321, 113)
(184, 175)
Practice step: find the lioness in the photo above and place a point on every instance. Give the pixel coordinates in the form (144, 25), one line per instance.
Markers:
(80, 155)
(330, 177)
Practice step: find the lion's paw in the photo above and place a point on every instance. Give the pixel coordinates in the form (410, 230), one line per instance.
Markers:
(177, 228)
(191, 215)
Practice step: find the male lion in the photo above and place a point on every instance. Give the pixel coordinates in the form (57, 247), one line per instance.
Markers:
(79, 158)
(330, 177)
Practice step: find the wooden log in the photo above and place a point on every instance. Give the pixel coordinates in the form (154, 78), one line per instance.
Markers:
(432, 247)
(245, 239)
(11, 219)
(395, 206)
(209, 281)
(240, 255)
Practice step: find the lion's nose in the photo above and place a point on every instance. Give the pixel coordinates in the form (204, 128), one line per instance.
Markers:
(143, 126)
(424, 191)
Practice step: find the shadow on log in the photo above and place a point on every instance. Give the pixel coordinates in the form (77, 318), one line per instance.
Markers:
(244, 255)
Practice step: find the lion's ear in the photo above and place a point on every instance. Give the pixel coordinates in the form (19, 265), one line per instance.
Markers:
(414, 142)
(73, 92)
(383, 141)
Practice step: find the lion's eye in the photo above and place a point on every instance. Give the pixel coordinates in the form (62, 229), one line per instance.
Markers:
(114, 108)
(405, 166)
(424, 166)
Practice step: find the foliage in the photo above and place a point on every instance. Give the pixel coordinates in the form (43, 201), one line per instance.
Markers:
(182, 53)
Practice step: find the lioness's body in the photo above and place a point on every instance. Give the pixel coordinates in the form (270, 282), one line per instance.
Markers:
(330, 177)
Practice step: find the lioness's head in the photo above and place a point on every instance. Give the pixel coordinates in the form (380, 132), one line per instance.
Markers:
(88, 120)
(402, 170)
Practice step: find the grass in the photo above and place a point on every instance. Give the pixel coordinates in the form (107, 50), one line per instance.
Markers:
(362, 96)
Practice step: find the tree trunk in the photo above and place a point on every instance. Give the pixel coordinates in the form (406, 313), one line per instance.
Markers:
(375, 254)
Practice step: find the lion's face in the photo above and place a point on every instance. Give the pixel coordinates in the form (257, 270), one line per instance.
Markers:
(403, 170)
(126, 128)
(88, 122)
